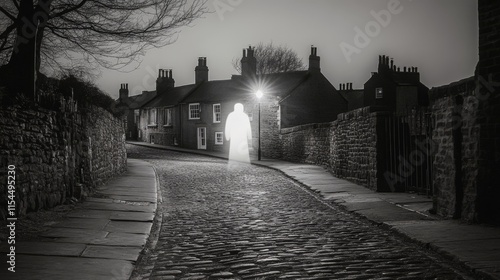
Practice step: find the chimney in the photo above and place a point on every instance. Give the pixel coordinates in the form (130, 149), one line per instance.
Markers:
(314, 64)
(248, 63)
(383, 63)
(123, 91)
(201, 71)
(164, 81)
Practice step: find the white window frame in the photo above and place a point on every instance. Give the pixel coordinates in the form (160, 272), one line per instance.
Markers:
(191, 111)
(221, 142)
(153, 116)
(167, 117)
(217, 114)
(379, 93)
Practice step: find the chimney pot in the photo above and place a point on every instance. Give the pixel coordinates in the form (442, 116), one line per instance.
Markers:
(416, 69)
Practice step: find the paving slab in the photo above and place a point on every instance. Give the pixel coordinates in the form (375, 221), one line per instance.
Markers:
(64, 268)
(74, 233)
(116, 252)
(132, 216)
(81, 223)
(101, 238)
(129, 227)
(119, 207)
(46, 248)
(445, 231)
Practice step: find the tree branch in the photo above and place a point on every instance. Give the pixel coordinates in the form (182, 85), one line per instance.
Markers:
(9, 15)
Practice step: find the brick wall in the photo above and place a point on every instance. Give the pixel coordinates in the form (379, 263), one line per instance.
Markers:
(58, 155)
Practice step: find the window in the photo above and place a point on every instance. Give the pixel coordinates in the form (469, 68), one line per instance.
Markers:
(217, 113)
(167, 117)
(152, 117)
(379, 93)
(219, 138)
(194, 111)
(136, 116)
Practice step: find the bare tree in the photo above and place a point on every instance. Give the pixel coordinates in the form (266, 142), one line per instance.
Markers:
(273, 59)
(63, 34)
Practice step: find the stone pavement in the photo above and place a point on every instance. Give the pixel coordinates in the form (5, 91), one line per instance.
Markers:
(477, 247)
(101, 238)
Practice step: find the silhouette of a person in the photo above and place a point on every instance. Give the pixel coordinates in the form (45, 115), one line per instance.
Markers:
(239, 132)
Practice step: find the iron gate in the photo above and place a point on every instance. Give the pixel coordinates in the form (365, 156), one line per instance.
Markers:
(409, 151)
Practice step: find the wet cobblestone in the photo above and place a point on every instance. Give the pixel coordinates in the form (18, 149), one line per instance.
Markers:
(253, 223)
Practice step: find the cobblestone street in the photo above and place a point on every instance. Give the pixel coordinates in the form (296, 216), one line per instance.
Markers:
(254, 223)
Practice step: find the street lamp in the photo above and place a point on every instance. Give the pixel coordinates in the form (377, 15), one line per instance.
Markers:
(259, 95)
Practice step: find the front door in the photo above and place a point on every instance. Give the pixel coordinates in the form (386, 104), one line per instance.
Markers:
(202, 138)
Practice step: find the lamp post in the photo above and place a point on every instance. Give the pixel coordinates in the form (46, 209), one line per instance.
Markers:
(259, 95)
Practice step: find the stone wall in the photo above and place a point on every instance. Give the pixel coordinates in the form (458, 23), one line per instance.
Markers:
(58, 155)
(347, 146)
(456, 134)
(308, 143)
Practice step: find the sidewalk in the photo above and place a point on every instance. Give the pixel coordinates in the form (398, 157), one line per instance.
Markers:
(477, 247)
(100, 239)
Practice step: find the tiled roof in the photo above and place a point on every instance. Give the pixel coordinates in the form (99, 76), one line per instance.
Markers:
(171, 97)
(137, 101)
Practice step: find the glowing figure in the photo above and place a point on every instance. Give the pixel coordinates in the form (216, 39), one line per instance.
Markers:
(239, 132)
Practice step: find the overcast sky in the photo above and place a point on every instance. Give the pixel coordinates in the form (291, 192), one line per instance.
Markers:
(440, 37)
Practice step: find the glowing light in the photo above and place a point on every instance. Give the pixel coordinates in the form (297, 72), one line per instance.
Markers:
(238, 132)
(259, 94)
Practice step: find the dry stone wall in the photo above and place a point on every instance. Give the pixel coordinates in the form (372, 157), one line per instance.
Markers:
(57, 155)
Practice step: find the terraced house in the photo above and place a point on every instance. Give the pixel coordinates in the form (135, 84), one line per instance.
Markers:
(194, 116)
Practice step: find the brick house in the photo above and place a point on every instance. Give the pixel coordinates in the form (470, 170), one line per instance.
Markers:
(199, 110)
(290, 99)
(132, 105)
(395, 89)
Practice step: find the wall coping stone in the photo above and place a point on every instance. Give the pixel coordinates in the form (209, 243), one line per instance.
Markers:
(465, 86)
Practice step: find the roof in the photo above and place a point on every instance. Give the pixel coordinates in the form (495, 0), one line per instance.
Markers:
(171, 97)
(239, 87)
(354, 97)
(137, 101)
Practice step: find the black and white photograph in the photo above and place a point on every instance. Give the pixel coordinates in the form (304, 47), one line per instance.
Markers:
(249, 139)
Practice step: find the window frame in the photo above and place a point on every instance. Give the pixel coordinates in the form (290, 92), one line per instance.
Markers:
(167, 117)
(190, 111)
(379, 93)
(216, 142)
(215, 114)
(150, 112)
